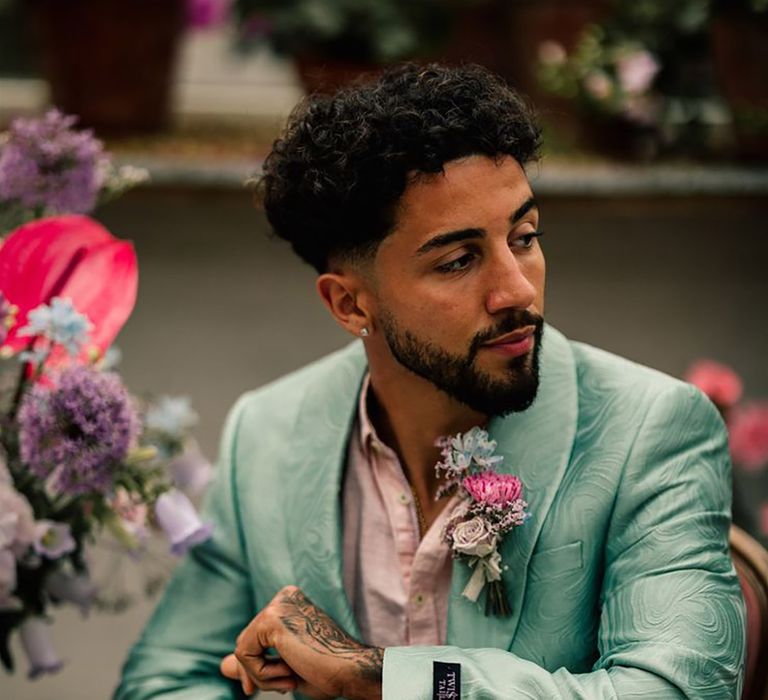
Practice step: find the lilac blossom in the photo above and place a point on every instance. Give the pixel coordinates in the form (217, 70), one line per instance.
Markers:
(60, 323)
(180, 522)
(53, 540)
(47, 165)
(36, 642)
(75, 434)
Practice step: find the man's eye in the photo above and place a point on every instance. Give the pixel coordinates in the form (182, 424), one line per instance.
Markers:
(457, 265)
(526, 241)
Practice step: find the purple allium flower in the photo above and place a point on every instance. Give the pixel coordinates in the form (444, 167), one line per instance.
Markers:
(47, 164)
(53, 540)
(180, 522)
(76, 432)
(36, 641)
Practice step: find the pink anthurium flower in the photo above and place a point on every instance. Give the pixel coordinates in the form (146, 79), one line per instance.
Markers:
(70, 257)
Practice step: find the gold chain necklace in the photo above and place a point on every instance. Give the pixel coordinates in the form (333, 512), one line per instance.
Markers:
(419, 513)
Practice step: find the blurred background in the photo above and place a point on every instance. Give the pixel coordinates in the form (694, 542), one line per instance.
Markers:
(652, 190)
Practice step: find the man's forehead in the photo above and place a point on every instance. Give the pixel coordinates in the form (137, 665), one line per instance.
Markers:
(467, 191)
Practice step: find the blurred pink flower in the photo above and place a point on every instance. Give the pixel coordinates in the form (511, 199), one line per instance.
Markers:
(552, 53)
(492, 488)
(132, 513)
(203, 14)
(748, 434)
(719, 382)
(636, 71)
(598, 85)
(764, 518)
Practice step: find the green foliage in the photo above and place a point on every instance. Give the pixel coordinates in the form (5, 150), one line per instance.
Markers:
(365, 31)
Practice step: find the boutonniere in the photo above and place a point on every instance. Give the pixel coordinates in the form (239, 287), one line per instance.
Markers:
(492, 504)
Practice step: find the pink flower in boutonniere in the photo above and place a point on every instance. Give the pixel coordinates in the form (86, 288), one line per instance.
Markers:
(493, 489)
(492, 505)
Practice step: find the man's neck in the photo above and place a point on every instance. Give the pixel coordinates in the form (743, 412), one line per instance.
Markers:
(409, 414)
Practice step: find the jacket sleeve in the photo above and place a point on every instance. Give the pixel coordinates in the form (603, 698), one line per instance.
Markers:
(205, 606)
(672, 620)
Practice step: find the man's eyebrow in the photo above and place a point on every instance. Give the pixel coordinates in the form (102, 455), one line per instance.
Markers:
(443, 239)
(523, 209)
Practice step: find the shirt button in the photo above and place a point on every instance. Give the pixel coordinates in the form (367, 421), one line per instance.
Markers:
(419, 599)
(404, 498)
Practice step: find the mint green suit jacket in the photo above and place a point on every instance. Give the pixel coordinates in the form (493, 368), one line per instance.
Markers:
(621, 583)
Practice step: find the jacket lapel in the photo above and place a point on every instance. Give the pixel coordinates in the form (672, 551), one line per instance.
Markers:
(536, 445)
(319, 455)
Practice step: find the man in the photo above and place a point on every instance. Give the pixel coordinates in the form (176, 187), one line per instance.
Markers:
(327, 573)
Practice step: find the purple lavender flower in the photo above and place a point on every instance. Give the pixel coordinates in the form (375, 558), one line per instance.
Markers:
(75, 434)
(46, 164)
(180, 522)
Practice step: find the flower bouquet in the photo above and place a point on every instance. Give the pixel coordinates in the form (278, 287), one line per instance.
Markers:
(48, 167)
(81, 460)
(78, 454)
(747, 424)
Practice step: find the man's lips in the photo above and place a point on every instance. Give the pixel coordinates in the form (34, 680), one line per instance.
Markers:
(513, 344)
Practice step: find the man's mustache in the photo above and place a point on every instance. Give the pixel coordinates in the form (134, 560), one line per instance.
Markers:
(509, 324)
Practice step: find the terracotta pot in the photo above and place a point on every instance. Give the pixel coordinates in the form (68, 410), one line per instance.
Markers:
(111, 62)
(740, 48)
(326, 75)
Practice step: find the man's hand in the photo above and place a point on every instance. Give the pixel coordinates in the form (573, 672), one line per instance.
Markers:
(317, 657)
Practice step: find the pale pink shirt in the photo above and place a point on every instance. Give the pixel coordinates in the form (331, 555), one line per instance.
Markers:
(398, 583)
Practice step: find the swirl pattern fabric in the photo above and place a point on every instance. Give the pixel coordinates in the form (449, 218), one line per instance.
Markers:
(621, 584)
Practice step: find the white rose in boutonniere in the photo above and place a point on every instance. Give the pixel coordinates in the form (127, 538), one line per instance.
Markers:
(474, 538)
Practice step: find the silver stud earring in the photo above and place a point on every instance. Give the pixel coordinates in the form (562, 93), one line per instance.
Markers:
(364, 332)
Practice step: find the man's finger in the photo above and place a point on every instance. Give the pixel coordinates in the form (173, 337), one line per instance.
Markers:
(230, 667)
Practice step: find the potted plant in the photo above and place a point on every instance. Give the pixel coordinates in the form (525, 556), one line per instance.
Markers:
(334, 40)
(643, 78)
(740, 50)
(110, 62)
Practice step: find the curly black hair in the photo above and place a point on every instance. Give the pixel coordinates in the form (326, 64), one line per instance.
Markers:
(332, 182)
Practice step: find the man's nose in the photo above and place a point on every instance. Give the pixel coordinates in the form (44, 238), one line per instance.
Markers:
(508, 286)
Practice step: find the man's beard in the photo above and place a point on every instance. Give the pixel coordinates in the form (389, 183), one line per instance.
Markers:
(458, 376)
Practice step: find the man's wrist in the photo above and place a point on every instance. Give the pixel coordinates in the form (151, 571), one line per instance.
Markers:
(366, 674)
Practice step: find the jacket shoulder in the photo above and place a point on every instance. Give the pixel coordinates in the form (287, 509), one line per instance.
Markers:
(602, 374)
(275, 406)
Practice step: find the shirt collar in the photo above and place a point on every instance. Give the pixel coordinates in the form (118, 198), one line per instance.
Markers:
(367, 434)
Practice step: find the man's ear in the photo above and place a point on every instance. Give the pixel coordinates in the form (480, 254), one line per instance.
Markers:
(344, 295)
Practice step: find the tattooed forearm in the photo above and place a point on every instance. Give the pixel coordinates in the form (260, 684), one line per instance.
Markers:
(315, 627)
